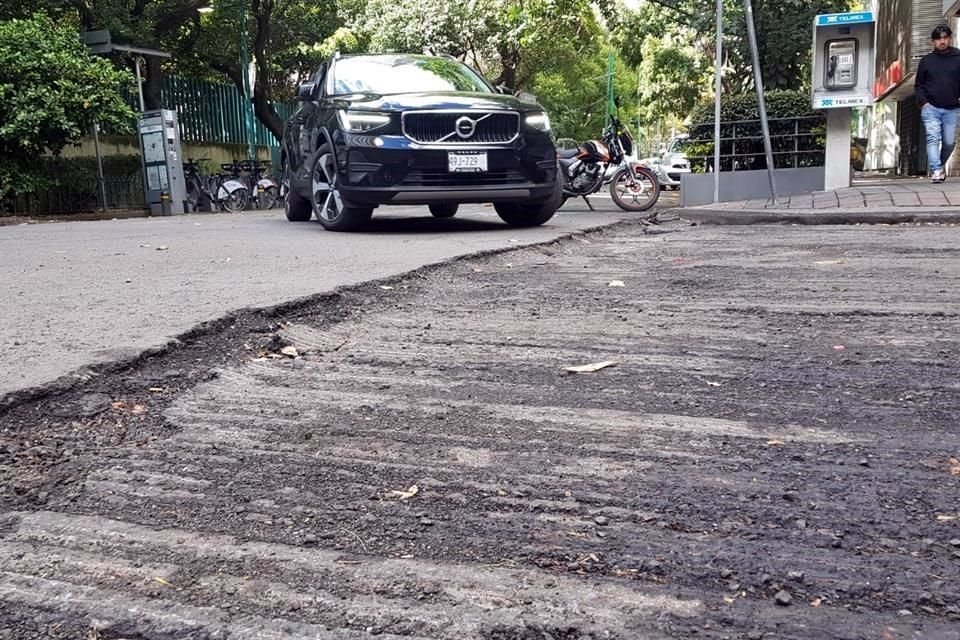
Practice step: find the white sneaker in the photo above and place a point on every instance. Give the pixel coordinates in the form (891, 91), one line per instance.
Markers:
(937, 176)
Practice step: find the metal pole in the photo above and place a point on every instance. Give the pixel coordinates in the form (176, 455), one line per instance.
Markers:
(758, 83)
(96, 148)
(245, 71)
(136, 63)
(718, 90)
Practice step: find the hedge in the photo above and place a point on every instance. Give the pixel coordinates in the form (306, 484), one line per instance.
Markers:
(797, 132)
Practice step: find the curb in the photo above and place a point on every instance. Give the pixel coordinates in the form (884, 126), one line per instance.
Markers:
(815, 217)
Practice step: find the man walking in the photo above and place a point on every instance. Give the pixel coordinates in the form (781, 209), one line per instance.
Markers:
(938, 93)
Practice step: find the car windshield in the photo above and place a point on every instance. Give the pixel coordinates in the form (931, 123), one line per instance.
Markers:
(679, 145)
(404, 74)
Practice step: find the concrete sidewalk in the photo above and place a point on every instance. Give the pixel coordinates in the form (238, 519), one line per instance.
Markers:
(868, 201)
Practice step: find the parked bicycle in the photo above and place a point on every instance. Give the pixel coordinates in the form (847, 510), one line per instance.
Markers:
(232, 191)
(212, 192)
(265, 189)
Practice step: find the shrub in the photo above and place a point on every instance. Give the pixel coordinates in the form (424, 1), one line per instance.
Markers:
(797, 132)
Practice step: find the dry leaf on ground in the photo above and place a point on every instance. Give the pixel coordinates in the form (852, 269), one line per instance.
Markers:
(405, 495)
(590, 368)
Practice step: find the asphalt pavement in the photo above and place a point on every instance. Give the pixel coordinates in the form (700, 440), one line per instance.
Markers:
(76, 294)
(870, 200)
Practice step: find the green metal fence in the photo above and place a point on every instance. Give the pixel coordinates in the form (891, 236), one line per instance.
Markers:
(213, 112)
(208, 112)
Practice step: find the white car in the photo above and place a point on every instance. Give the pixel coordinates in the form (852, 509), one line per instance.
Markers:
(671, 164)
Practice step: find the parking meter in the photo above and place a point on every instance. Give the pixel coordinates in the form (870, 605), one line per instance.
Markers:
(843, 59)
(164, 185)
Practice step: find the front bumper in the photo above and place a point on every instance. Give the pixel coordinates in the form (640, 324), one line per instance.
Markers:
(671, 176)
(388, 169)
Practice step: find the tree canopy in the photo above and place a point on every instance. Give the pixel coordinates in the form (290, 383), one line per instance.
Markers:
(556, 49)
(51, 93)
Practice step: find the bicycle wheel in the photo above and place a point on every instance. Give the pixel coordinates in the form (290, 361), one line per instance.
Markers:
(638, 194)
(268, 200)
(236, 200)
(193, 196)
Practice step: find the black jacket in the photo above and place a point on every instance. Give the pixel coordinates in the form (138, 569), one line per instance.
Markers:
(938, 79)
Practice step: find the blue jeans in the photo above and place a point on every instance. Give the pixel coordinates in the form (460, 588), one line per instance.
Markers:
(941, 127)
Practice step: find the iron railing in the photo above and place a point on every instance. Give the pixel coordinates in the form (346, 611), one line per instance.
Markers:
(796, 142)
(77, 196)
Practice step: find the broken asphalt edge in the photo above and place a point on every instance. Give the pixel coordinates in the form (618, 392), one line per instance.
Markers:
(80, 376)
(927, 215)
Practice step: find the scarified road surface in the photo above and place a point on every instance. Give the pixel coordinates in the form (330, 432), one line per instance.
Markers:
(80, 293)
(773, 455)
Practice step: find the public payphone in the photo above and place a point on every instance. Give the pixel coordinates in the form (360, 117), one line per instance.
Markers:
(843, 58)
(840, 64)
(164, 184)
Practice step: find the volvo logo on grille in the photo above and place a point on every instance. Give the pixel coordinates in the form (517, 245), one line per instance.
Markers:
(465, 127)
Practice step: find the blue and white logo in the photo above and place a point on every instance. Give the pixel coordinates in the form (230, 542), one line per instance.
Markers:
(833, 19)
(863, 100)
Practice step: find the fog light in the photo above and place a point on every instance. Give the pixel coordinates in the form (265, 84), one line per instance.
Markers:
(378, 141)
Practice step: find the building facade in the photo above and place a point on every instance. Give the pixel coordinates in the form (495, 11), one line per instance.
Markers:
(903, 38)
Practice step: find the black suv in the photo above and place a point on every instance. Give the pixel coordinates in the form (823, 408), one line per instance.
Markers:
(414, 129)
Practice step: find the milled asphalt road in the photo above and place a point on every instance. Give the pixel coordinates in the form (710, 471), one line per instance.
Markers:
(81, 293)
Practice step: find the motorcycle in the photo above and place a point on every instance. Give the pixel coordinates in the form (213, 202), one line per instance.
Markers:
(587, 169)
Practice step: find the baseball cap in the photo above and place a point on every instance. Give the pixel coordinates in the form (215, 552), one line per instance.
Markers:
(941, 31)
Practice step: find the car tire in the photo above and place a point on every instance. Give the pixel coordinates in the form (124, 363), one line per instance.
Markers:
(296, 207)
(332, 211)
(531, 214)
(444, 210)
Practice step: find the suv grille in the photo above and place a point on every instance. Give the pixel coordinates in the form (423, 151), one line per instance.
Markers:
(427, 178)
(461, 127)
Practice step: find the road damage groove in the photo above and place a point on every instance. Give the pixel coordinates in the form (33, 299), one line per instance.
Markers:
(773, 455)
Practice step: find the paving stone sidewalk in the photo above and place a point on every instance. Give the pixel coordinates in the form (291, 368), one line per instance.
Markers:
(867, 201)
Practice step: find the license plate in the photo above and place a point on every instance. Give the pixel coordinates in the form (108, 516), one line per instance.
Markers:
(466, 161)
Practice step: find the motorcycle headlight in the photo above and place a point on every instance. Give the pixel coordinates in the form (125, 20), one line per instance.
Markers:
(539, 120)
(359, 121)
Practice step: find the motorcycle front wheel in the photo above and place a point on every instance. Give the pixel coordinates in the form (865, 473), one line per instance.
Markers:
(639, 194)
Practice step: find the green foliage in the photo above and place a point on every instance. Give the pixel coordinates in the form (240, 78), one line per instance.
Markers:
(342, 40)
(673, 44)
(51, 93)
(744, 106)
(784, 32)
(555, 49)
(63, 170)
(793, 125)
(672, 77)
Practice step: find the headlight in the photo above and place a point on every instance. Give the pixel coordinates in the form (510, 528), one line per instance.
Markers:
(539, 120)
(359, 121)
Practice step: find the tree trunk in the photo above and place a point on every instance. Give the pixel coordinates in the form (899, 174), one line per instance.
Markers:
(262, 91)
(266, 114)
(151, 83)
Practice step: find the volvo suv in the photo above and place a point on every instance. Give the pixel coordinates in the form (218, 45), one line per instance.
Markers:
(383, 129)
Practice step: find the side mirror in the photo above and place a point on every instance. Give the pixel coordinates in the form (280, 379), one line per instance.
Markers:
(305, 91)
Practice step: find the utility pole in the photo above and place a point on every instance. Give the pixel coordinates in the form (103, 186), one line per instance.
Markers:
(758, 84)
(718, 90)
(611, 106)
(245, 71)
